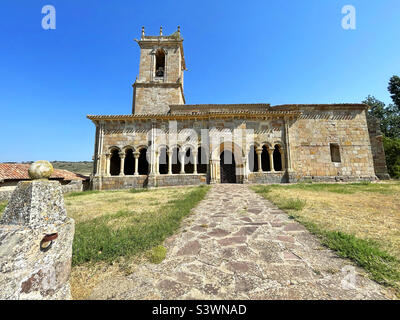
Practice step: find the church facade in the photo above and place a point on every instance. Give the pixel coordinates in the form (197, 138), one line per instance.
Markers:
(166, 142)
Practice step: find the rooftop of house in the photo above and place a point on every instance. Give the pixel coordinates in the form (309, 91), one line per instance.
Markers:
(19, 171)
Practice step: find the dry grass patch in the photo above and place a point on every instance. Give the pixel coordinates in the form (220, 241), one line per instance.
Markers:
(117, 230)
(361, 221)
(87, 205)
(369, 211)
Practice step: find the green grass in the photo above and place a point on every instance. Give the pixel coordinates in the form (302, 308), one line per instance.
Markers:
(382, 267)
(157, 254)
(3, 205)
(80, 193)
(80, 167)
(138, 190)
(100, 239)
(348, 188)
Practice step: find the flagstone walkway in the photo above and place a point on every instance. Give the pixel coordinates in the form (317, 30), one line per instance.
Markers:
(238, 245)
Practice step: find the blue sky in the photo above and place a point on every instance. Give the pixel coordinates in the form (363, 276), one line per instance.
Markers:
(276, 52)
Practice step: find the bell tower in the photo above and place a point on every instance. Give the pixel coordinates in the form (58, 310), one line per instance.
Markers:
(160, 81)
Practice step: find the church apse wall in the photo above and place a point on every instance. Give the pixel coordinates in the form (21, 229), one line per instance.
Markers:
(331, 143)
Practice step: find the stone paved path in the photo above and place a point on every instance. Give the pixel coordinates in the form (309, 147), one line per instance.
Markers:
(238, 245)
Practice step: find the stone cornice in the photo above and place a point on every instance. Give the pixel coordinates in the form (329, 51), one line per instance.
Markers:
(198, 115)
(333, 106)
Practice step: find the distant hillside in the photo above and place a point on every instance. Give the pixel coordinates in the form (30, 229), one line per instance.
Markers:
(81, 167)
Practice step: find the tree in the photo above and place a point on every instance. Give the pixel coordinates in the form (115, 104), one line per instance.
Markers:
(392, 152)
(389, 117)
(378, 110)
(394, 89)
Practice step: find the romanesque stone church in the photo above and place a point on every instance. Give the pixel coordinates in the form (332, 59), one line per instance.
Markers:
(165, 141)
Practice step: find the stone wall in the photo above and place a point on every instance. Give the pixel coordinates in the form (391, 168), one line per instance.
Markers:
(73, 186)
(268, 177)
(378, 152)
(155, 98)
(311, 134)
(305, 141)
(5, 193)
(143, 181)
(35, 243)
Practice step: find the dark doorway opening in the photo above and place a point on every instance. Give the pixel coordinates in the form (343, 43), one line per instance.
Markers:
(277, 159)
(115, 163)
(189, 167)
(227, 167)
(266, 166)
(163, 161)
(143, 163)
(202, 160)
(176, 164)
(129, 166)
(253, 163)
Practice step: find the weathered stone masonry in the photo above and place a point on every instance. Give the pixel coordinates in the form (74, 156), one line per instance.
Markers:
(36, 243)
(167, 142)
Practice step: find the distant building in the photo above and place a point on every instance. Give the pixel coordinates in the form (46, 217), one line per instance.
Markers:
(167, 142)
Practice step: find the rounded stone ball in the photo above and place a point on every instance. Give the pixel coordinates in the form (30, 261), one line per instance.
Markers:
(41, 169)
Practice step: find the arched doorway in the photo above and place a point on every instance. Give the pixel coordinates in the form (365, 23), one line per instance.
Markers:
(277, 158)
(143, 163)
(115, 163)
(227, 167)
(163, 161)
(202, 160)
(129, 163)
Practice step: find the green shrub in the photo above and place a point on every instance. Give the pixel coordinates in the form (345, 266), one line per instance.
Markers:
(157, 254)
(392, 152)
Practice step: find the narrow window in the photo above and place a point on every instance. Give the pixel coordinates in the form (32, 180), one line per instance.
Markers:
(335, 152)
(160, 63)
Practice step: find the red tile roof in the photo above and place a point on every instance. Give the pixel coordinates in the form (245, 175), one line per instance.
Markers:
(19, 171)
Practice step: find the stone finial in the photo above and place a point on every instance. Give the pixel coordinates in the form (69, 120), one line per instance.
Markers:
(179, 30)
(160, 31)
(142, 32)
(40, 170)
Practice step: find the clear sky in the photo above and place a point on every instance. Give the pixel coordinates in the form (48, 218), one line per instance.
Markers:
(275, 52)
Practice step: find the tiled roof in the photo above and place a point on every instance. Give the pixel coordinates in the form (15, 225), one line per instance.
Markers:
(326, 105)
(19, 171)
(193, 115)
(235, 105)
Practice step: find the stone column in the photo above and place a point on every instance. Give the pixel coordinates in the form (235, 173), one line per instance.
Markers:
(170, 153)
(245, 170)
(108, 157)
(156, 163)
(194, 162)
(122, 157)
(282, 159)
(182, 156)
(271, 159)
(259, 151)
(36, 240)
(136, 154)
(213, 171)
